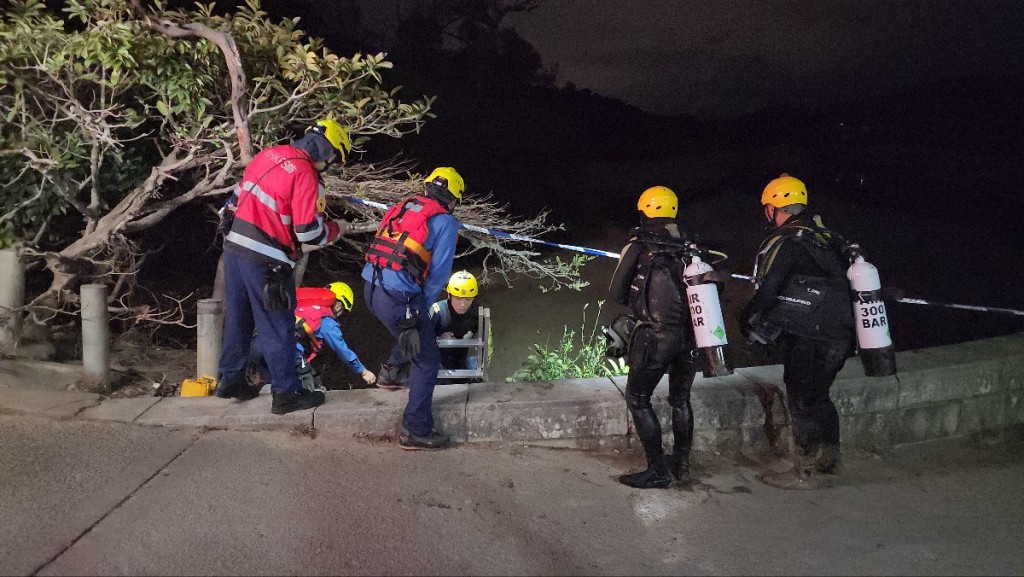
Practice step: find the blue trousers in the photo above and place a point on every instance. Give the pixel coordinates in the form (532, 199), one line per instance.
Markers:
(389, 307)
(244, 313)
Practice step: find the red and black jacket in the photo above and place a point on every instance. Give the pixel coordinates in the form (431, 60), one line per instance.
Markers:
(280, 204)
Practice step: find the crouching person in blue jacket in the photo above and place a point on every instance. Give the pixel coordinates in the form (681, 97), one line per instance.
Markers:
(316, 325)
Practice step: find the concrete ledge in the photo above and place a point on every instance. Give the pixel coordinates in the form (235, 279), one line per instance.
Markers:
(953, 391)
(191, 411)
(255, 415)
(61, 405)
(39, 374)
(122, 410)
(581, 409)
(378, 413)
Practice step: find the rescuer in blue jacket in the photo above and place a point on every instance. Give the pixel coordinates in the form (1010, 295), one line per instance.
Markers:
(316, 325)
(407, 266)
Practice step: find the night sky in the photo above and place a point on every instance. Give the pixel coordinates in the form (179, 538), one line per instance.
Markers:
(730, 57)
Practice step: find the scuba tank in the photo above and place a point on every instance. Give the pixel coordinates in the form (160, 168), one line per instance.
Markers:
(873, 338)
(706, 317)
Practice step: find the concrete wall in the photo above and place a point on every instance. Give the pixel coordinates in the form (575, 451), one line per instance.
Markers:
(958, 390)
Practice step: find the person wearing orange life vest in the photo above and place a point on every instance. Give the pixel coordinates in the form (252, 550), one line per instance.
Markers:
(278, 205)
(407, 266)
(316, 325)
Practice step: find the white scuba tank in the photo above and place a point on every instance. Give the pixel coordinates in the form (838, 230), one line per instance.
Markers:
(873, 337)
(706, 318)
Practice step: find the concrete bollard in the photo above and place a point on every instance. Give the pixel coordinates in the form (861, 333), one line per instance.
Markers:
(12, 298)
(209, 326)
(95, 334)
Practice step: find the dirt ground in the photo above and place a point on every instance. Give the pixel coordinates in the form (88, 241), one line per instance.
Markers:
(140, 367)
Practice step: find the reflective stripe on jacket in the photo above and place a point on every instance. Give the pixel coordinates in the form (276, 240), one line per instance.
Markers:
(280, 204)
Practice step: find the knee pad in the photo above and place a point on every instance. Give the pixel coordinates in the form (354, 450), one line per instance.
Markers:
(638, 401)
(678, 402)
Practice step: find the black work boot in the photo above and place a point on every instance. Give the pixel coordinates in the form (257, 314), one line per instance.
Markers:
(298, 401)
(391, 377)
(649, 430)
(682, 433)
(235, 389)
(432, 442)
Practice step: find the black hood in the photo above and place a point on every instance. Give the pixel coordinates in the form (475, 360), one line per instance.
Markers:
(317, 145)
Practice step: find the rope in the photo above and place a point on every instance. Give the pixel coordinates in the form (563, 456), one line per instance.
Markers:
(597, 252)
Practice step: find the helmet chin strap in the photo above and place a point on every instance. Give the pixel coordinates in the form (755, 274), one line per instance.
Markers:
(769, 214)
(441, 195)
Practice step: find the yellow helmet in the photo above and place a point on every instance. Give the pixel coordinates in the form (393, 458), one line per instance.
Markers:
(658, 201)
(447, 178)
(335, 134)
(784, 191)
(463, 284)
(343, 293)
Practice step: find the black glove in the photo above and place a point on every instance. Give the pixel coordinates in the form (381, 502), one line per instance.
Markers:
(409, 337)
(277, 293)
(760, 330)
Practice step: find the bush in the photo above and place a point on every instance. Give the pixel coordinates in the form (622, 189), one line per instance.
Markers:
(570, 359)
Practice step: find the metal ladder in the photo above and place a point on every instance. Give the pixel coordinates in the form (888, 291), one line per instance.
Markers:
(478, 346)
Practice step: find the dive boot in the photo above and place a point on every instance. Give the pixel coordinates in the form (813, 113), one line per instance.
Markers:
(679, 466)
(649, 431)
(655, 476)
(827, 460)
(682, 434)
(802, 476)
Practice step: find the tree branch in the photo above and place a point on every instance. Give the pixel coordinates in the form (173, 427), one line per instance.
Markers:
(233, 60)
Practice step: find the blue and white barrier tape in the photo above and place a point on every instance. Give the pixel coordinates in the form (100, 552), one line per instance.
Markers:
(501, 233)
(964, 307)
(930, 303)
(596, 252)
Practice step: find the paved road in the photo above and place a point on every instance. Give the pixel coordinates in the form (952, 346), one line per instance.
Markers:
(82, 497)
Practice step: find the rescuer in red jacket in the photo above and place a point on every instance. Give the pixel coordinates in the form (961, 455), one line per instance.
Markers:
(278, 206)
